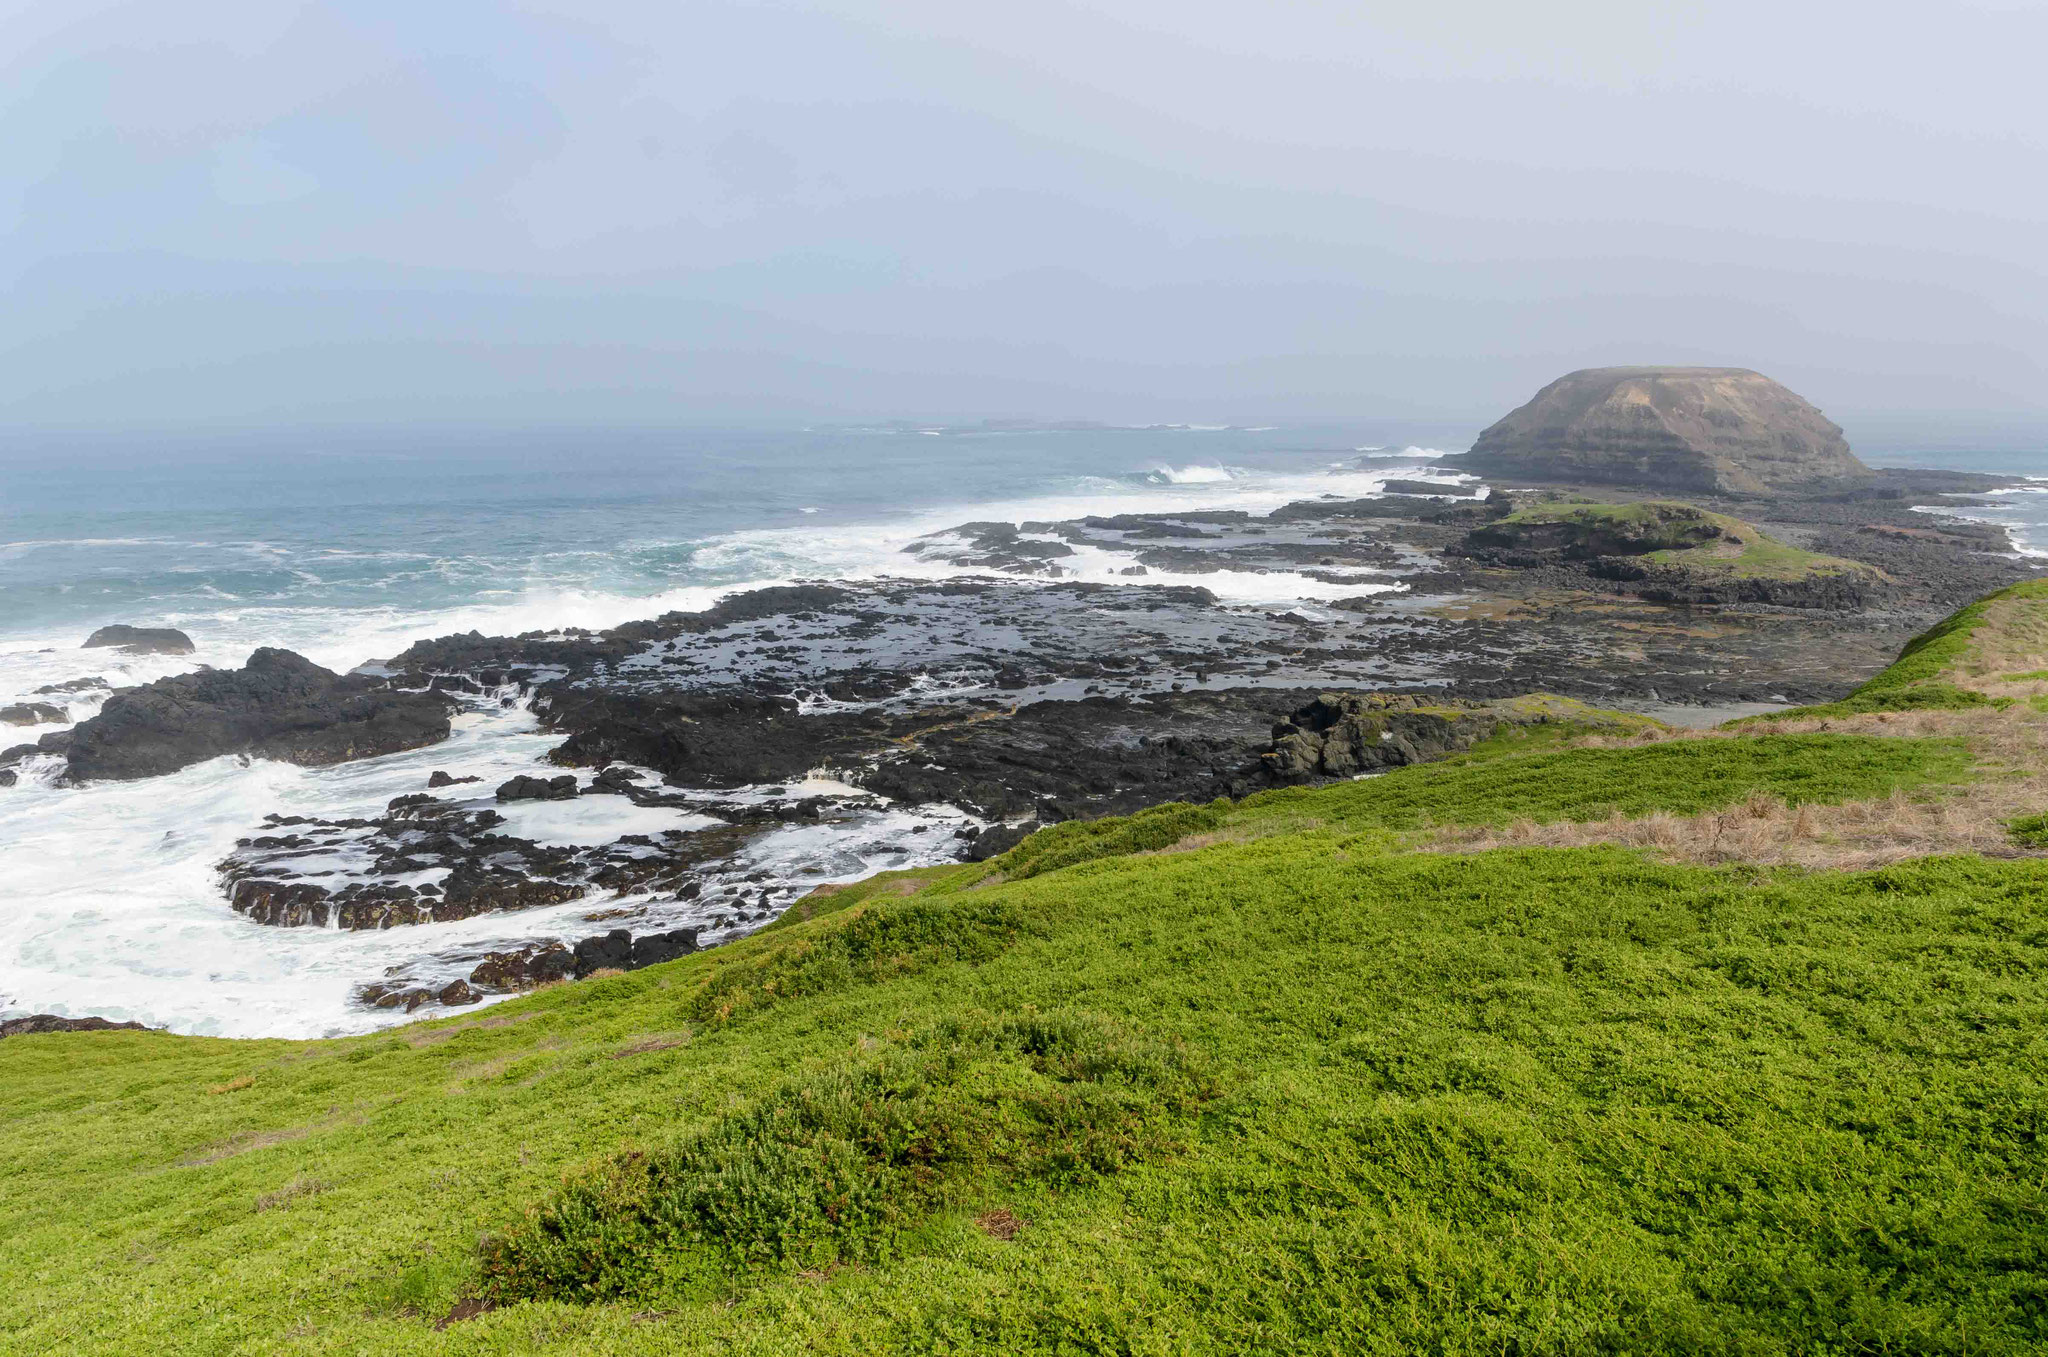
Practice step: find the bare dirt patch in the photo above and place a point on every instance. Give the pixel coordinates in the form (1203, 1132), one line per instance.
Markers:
(469, 1307)
(999, 1224)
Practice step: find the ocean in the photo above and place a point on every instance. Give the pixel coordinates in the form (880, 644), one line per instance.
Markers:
(348, 546)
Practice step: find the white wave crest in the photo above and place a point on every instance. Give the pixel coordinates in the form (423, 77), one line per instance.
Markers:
(1411, 453)
(1193, 475)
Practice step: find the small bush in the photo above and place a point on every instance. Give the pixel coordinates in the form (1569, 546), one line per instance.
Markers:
(838, 1167)
(2031, 830)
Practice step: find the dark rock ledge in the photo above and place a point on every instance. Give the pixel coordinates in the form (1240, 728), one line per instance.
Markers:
(277, 706)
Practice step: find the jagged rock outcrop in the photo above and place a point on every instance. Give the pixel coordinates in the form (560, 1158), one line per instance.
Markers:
(277, 706)
(1345, 734)
(1717, 430)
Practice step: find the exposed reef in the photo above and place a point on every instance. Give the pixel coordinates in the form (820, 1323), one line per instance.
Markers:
(277, 706)
(1674, 553)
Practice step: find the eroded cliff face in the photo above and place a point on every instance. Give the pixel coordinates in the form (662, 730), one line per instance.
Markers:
(1724, 430)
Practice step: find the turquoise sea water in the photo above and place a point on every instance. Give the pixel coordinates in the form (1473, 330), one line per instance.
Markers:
(373, 539)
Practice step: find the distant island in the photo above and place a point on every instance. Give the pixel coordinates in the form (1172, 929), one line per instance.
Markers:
(1717, 430)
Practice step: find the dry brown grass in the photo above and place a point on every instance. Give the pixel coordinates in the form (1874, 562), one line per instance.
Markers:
(290, 1192)
(1000, 1223)
(2010, 749)
(648, 1045)
(472, 1072)
(245, 1142)
(417, 1036)
(2012, 639)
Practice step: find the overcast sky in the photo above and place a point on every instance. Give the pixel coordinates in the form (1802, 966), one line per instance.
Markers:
(1151, 209)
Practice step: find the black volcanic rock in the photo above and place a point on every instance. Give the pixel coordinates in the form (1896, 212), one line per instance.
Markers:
(525, 787)
(1725, 430)
(1345, 734)
(278, 706)
(651, 949)
(609, 951)
(704, 739)
(140, 640)
(1429, 488)
(30, 714)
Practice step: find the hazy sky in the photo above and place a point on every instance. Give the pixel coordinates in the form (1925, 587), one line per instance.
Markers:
(1154, 209)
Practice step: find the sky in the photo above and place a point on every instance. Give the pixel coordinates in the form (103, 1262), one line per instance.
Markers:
(250, 212)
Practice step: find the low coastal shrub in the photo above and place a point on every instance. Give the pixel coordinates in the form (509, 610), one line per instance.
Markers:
(1931, 654)
(1512, 779)
(2031, 830)
(864, 944)
(839, 1167)
(1149, 830)
(1932, 696)
(1682, 777)
(1522, 1101)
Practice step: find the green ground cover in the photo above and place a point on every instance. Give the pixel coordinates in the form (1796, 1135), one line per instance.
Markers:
(1294, 1090)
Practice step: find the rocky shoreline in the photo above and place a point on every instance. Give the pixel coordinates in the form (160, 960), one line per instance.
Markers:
(1006, 697)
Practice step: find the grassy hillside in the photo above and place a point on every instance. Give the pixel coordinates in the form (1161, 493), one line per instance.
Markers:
(1990, 652)
(1253, 1076)
(1669, 534)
